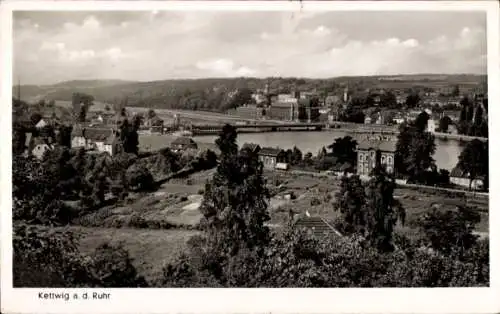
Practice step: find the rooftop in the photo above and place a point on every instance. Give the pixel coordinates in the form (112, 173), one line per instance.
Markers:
(381, 145)
(317, 225)
(183, 140)
(269, 151)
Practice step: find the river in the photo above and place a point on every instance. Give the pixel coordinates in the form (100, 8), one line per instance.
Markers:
(446, 155)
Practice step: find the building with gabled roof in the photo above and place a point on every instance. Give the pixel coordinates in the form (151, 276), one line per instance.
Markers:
(182, 143)
(461, 177)
(101, 139)
(269, 157)
(38, 145)
(373, 152)
(316, 225)
(251, 146)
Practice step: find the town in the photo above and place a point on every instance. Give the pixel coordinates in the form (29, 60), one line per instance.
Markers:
(120, 160)
(172, 149)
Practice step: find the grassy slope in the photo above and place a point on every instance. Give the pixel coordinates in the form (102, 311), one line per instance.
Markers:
(150, 249)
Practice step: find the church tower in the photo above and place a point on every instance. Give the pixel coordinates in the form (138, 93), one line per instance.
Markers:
(346, 93)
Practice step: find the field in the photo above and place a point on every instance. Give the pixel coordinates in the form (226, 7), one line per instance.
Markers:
(155, 227)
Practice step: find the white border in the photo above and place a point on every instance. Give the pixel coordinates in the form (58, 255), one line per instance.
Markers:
(458, 300)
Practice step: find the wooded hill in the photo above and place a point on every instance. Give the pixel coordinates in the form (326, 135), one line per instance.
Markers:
(208, 94)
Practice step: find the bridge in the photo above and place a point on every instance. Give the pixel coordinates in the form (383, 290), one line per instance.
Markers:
(353, 128)
(206, 129)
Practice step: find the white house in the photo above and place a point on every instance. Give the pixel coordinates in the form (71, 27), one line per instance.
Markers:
(42, 123)
(460, 177)
(431, 125)
(38, 146)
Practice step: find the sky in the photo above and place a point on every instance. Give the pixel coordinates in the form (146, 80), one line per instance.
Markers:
(52, 47)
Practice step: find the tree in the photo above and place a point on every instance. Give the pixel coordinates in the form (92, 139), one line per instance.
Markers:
(388, 99)
(113, 267)
(296, 157)
(18, 139)
(35, 118)
(235, 201)
(314, 109)
(383, 211)
(467, 109)
(139, 178)
(474, 160)
(81, 103)
(414, 151)
(151, 114)
(242, 97)
(444, 123)
(353, 113)
(451, 231)
(344, 148)
(421, 121)
(128, 135)
(455, 92)
(227, 141)
(63, 135)
(351, 204)
(120, 105)
(412, 100)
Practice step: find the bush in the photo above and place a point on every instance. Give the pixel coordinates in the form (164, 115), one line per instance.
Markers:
(49, 258)
(296, 258)
(201, 191)
(112, 266)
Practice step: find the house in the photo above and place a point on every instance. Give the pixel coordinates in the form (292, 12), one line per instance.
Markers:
(330, 100)
(373, 152)
(77, 138)
(183, 143)
(155, 124)
(431, 125)
(461, 177)
(99, 139)
(39, 145)
(341, 169)
(316, 225)
(282, 166)
(251, 146)
(398, 120)
(368, 120)
(284, 110)
(452, 129)
(41, 124)
(269, 157)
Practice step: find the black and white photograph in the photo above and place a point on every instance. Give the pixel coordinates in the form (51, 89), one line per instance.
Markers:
(250, 148)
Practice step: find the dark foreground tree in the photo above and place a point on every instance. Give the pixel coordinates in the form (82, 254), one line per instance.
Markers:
(474, 160)
(44, 257)
(450, 232)
(344, 148)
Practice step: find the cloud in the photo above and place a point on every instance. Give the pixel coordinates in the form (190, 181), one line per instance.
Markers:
(224, 67)
(152, 45)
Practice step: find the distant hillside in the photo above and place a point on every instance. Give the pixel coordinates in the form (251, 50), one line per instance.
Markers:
(208, 93)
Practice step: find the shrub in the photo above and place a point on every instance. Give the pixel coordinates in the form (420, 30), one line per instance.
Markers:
(113, 267)
(50, 258)
(201, 191)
